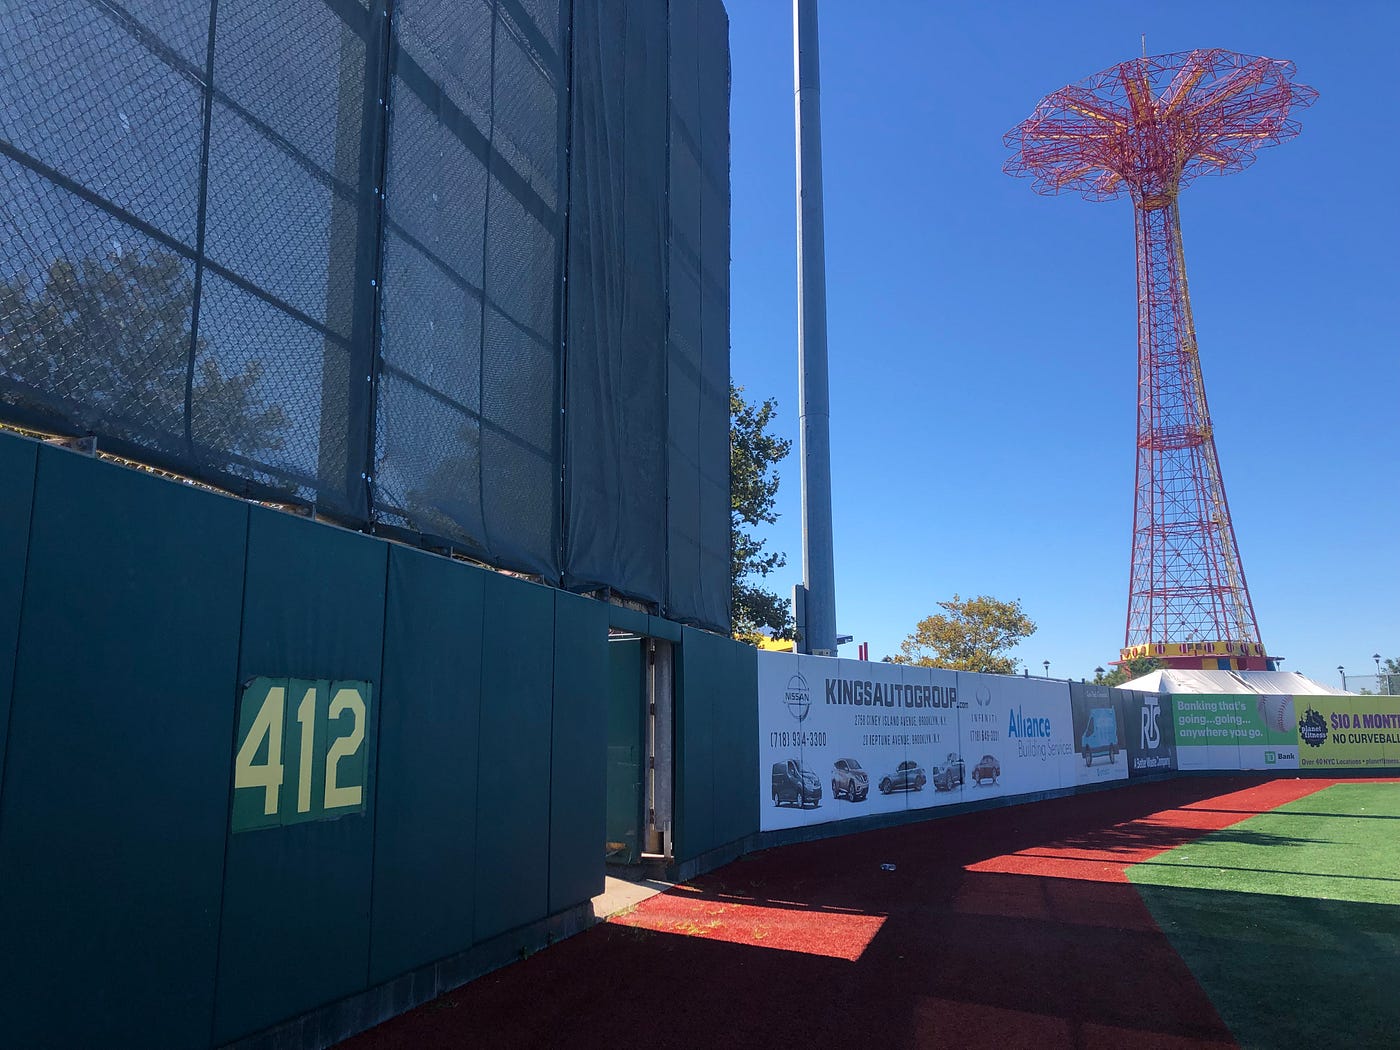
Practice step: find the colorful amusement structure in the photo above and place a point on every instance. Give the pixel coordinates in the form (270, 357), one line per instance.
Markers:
(1145, 128)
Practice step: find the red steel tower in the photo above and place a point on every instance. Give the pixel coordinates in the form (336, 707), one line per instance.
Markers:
(1145, 128)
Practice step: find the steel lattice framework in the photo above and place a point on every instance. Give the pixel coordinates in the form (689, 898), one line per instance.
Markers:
(1145, 128)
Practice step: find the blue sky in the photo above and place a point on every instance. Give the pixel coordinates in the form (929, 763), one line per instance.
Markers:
(982, 337)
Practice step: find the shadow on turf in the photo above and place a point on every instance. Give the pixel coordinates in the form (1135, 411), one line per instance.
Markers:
(962, 958)
(1137, 838)
(1298, 813)
(1288, 971)
(971, 957)
(1175, 863)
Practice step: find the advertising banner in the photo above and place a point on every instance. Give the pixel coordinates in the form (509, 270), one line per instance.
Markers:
(1017, 735)
(1354, 732)
(934, 748)
(1238, 731)
(1151, 732)
(1100, 733)
(848, 738)
(784, 708)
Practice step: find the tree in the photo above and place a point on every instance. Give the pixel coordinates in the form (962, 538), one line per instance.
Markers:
(969, 635)
(1388, 683)
(108, 339)
(754, 455)
(1128, 671)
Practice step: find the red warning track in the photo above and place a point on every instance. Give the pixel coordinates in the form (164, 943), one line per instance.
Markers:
(1008, 928)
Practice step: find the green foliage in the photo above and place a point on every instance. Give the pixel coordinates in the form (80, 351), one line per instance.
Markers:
(754, 454)
(1128, 671)
(1388, 682)
(109, 338)
(971, 634)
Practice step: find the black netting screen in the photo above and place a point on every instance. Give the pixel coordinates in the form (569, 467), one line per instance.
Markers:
(467, 443)
(316, 251)
(698, 538)
(616, 433)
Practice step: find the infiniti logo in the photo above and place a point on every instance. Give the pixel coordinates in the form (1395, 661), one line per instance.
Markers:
(984, 696)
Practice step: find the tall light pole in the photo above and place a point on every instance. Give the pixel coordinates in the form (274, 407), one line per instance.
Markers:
(818, 632)
(1341, 670)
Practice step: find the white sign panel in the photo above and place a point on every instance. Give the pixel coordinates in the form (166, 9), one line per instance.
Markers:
(784, 709)
(848, 738)
(937, 740)
(1017, 736)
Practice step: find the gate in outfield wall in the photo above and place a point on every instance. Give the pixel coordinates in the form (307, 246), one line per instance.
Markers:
(641, 767)
(628, 716)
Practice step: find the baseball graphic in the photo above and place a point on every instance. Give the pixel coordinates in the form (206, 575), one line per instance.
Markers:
(1276, 712)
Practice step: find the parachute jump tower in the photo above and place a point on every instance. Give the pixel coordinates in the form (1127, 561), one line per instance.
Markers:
(1145, 128)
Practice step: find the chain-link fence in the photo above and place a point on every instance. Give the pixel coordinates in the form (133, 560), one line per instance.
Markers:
(1382, 684)
(315, 252)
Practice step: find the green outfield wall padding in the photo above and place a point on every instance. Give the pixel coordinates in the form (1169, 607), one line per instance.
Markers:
(624, 619)
(513, 770)
(716, 742)
(736, 739)
(17, 458)
(666, 629)
(425, 811)
(296, 916)
(115, 807)
(579, 748)
(698, 680)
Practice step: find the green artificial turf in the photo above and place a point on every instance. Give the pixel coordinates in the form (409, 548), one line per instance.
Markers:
(1291, 920)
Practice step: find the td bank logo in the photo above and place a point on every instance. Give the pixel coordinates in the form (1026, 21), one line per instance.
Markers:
(1151, 731)
(1270, 758)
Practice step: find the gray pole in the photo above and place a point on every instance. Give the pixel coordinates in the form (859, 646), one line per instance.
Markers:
(818, 558)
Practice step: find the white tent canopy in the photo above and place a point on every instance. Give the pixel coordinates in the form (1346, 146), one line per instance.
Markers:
(1175, 680)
